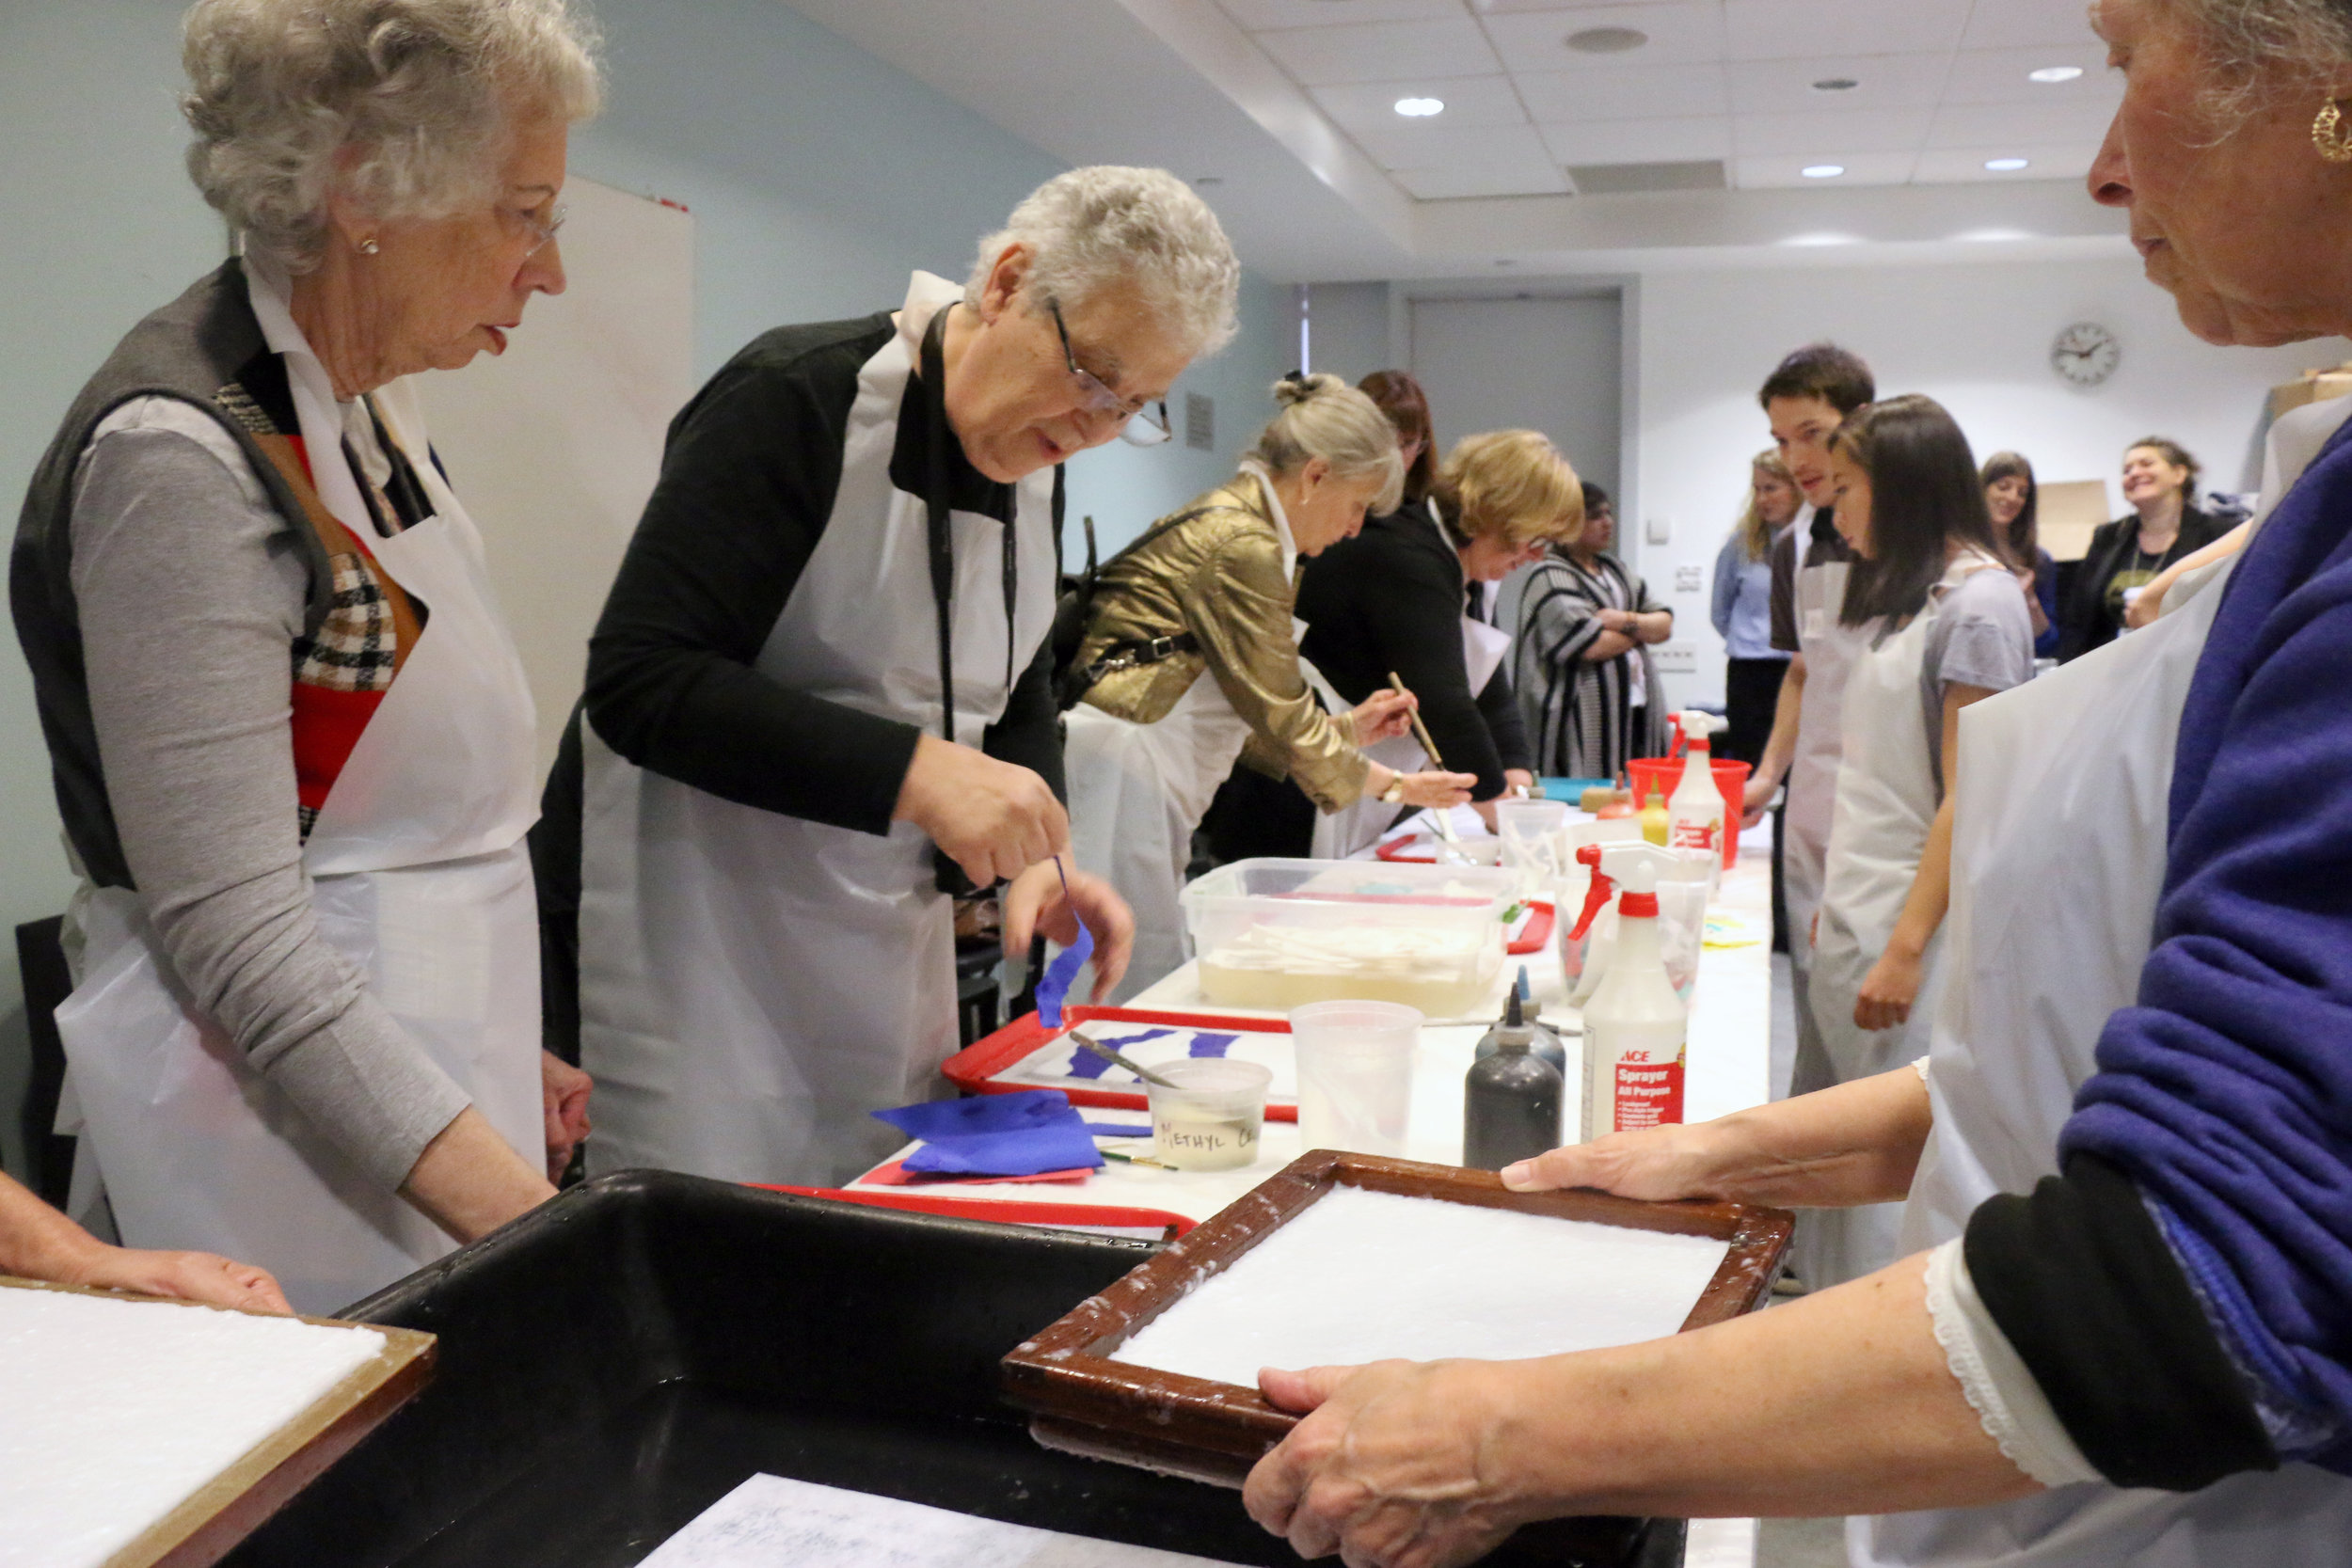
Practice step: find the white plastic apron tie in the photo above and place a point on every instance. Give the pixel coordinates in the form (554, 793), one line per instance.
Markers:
(420, 879)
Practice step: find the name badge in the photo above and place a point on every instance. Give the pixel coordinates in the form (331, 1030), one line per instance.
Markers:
(1814, 623)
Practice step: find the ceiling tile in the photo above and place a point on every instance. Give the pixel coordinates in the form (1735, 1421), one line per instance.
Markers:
(1831, 137)
(1259, 15)
(2008, 24)
(1382, 52)
(1640, 141)
(1881, 82)
(2045, 161)
(1869, 168)
(1680, 32)
(1467, 100)
(1405, 145)
(2004, 76)
(1786, 29)
(1989, 125)
(1516, 178)
(1642, 92)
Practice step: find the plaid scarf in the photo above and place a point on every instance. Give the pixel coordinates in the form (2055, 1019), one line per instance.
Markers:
(342, 669)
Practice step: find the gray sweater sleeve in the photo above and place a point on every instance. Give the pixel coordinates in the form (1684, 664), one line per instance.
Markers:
(190, 592)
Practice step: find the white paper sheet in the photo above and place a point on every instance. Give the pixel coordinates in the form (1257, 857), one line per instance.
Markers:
(1363, 1276)
(770, 1522)
(1060, 1064)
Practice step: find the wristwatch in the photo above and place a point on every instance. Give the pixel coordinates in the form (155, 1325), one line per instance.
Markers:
(1394, 794)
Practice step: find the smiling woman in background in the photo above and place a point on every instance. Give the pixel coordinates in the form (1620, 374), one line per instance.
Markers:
(2159, 480)
(1741, 609)
(290, 734)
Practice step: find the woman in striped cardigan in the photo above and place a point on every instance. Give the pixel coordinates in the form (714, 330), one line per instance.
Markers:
(1581, 663)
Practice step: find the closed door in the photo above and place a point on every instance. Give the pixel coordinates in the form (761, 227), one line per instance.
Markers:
(1551, 365)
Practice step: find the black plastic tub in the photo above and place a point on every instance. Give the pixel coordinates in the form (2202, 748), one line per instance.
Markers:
(619, 1360)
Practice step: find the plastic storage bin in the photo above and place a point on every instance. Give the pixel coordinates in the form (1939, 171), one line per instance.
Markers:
(1277, 934)
(617, 1360)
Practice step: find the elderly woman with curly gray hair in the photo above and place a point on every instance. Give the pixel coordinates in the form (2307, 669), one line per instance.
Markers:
(2124, 1331)
(289, 732)
(821, 701)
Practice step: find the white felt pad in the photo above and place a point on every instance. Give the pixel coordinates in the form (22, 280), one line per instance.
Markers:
(113, 1413)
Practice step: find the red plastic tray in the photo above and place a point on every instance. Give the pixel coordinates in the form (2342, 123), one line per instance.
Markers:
(974, 1068)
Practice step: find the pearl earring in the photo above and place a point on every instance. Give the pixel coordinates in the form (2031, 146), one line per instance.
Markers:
(367, 247)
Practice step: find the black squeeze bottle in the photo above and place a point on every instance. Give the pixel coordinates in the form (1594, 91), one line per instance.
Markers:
(1511, 1100)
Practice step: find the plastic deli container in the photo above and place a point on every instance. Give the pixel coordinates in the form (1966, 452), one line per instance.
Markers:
(1276, 934)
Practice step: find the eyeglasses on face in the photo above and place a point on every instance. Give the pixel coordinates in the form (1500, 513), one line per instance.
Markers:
(1143, 422)
(541, 229)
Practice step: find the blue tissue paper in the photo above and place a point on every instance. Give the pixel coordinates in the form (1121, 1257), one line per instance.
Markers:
(997, 1134)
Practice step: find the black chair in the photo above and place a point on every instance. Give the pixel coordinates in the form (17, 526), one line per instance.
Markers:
(40, 958)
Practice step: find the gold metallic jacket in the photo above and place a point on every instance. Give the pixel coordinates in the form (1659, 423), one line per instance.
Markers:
(1219, 577)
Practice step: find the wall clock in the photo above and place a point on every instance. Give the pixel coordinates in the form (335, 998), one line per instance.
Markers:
(2085, 353)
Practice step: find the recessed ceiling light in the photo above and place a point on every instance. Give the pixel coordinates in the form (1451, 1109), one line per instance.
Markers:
(1835, 84)
(1822, 171)
(2055, 74)
(1607, 40)
(1419, 108)
(2006, 166)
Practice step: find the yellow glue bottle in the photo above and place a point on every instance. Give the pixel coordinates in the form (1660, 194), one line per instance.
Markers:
(1656, 818)
(1635, 1025)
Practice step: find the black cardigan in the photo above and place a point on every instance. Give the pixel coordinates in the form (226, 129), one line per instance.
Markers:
(2083, 623)
(1391, 599)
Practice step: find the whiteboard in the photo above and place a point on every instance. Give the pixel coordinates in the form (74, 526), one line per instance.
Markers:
(554, 445)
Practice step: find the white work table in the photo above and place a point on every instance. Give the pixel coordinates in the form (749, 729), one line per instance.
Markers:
(1727, 1064)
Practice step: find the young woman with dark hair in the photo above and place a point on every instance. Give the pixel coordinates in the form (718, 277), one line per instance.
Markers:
(1944, 627)
(2014, 498)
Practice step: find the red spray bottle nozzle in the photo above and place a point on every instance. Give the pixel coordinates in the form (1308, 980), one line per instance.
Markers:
(1596, 898)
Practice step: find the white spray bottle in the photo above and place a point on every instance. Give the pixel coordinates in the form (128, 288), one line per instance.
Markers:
(1695, 817)
(1585, 951)
(1635, 1025)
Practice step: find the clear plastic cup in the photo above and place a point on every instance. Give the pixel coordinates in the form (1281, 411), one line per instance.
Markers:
(1211, 1119)
(1529, 831)
(1355, 1073)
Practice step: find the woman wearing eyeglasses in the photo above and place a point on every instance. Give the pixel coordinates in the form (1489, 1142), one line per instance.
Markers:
(291, 737)
(819, 698)
(1190, 660)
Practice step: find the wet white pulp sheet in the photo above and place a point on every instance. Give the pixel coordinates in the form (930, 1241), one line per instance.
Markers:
(1060, 1063)
(770, 1522)
(1363, 1275)
(114, 1413)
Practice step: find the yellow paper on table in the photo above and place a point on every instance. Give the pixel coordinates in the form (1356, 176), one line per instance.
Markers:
(1729, 930)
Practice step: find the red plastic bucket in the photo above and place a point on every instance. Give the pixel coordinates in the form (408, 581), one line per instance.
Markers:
(1666, 774)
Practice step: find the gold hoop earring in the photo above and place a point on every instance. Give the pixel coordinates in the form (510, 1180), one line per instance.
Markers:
(2328, 136)
(368, 247)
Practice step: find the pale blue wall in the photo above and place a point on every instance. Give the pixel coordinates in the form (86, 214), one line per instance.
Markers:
(818, 178)
(830, 176)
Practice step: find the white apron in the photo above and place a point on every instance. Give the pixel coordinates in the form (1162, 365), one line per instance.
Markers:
(1358, 825)
(1886, 800)
(420, 877)
(2058, 861)
(754, 985)
(1830, 649)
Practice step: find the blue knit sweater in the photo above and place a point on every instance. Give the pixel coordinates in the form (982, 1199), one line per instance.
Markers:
(2225, 1092)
